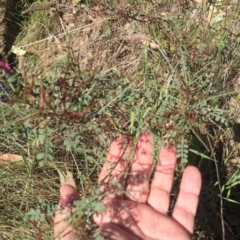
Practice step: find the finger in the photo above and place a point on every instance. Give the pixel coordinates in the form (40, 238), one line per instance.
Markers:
(138, 181)
(62, 228)
(163, 179)
(113, 172)
(186, 206)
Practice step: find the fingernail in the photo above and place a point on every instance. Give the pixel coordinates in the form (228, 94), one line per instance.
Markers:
(172, 149)
(68, 194)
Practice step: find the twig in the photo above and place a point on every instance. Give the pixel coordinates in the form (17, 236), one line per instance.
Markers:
(40, 7)
(220, 188)
(60, 34)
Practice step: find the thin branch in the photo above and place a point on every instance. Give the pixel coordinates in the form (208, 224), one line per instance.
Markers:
(220, 188)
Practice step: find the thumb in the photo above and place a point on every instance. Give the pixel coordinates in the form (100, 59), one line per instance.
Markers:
(62, 228)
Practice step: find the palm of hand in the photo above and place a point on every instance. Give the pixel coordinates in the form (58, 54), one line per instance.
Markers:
(136, 221)
(142, 214)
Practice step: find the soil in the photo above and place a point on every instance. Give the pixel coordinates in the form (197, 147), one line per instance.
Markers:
(3, 8)
(9, 27)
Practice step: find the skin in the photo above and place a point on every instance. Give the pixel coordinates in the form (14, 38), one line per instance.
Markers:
(142, 213)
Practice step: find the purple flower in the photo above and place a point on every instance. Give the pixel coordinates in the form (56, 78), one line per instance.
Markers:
(4, 65)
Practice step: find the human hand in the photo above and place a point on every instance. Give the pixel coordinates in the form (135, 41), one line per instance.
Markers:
(140, 213)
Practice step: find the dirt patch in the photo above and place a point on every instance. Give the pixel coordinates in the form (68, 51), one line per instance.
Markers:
(9, 23)
(84, 34)
(2, 24)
